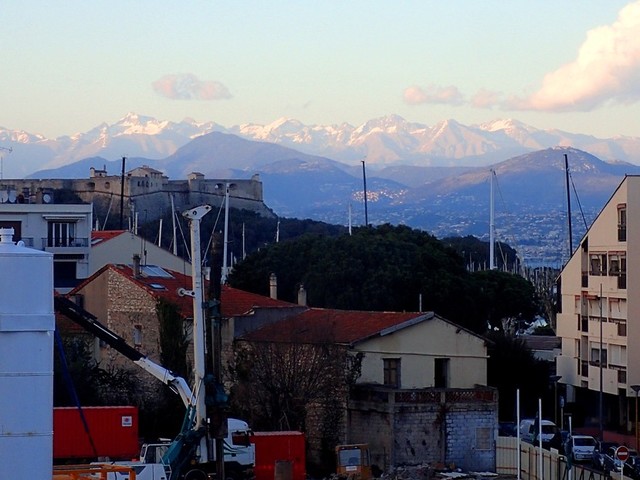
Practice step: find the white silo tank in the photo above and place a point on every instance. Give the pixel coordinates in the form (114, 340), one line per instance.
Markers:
(27, 324)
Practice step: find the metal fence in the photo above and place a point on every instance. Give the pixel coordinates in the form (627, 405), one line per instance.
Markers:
(554, 465)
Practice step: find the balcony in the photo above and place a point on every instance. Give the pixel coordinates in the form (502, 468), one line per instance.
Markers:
(69, 245)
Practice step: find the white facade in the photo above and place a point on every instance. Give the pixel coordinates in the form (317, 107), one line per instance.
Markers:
(431, 353)
(61, 229)
(27, 323)
(123, 245)
(600, 303)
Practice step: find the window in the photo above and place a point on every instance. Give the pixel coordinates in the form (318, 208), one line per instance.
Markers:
(618, 355)
(392, 372)
(614, 264)
(484, 438)
(622, 222)
(60, 234)
(441, 370)
(598, 263)
(595, 351)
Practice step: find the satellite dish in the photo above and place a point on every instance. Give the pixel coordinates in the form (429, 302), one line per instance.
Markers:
(12, 196)
(4, 196)
(46, 198)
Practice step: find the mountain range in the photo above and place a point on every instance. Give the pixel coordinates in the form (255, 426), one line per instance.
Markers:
(383, 142)
(437, 178)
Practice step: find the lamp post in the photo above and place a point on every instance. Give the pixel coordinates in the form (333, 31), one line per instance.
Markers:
(636, 389)
(554, 379)
(600, 396)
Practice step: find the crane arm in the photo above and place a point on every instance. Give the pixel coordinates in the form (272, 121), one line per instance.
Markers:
(91, 324)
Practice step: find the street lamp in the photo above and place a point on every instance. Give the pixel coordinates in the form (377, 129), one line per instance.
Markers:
(554, 379)
(636, 388)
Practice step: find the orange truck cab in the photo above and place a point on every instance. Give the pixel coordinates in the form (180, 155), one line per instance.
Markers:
(353, 461)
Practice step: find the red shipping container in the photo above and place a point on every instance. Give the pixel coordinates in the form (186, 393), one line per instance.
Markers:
(281, 452)
(114, 432)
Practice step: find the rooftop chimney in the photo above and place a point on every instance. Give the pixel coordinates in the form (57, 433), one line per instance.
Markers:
(6, 235)
(273, 286)
(136, 265)
(302, 296)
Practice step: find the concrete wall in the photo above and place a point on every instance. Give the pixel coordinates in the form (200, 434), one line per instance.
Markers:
(435, 426)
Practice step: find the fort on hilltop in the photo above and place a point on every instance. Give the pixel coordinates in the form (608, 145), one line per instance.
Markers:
(145, 192)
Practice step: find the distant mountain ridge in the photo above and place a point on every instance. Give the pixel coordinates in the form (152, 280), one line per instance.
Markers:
(383, 142)
(446, 201)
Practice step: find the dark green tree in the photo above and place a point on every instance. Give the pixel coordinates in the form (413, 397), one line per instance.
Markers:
(392, 268)
(505, 300)
(512, 366)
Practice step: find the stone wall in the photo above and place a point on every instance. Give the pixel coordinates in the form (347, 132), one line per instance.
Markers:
(432, 426)
(150, 197)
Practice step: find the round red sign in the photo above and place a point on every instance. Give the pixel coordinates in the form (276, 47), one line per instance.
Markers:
(622, 453)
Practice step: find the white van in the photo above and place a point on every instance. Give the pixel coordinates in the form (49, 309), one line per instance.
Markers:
(580, 447)
(529, 429)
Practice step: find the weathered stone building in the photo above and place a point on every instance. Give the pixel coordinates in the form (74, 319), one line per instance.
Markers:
(146, 192)
(421, 395)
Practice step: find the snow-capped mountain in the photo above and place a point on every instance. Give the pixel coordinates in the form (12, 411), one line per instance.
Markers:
(383, 142)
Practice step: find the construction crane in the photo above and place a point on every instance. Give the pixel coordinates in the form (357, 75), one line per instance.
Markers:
(6, 149)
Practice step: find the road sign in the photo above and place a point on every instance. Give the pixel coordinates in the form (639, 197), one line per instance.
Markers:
(622, 453)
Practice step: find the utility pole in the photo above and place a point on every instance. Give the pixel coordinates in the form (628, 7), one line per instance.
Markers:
(364, 180)
(122, 195)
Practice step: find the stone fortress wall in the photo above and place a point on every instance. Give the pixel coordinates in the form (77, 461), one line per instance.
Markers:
(146, 192)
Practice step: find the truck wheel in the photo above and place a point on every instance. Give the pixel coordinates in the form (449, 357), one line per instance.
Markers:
(195, 474)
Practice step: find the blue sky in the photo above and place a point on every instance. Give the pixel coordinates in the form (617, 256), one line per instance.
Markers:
(573, 65)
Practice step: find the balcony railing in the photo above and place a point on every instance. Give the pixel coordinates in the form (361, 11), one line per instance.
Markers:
(65, 243)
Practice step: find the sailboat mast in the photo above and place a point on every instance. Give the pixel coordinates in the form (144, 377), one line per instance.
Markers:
(566, 173)
(225, 268)
(492, 263)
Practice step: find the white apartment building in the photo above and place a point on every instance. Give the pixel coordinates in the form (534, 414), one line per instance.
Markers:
(599, 312)
(61, 229)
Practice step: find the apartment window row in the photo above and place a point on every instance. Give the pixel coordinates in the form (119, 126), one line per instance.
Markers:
(611, 264)
(621, 324)
(612, 355)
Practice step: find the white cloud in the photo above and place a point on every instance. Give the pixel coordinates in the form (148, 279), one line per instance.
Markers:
(416, 95)
(486, 99)
(606, 70)
(187, 86)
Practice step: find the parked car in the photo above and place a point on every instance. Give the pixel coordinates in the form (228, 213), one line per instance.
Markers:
(580, 447)
(507, 429)
(597, 460)
(632, 467)
(551, 436)
(610, 461)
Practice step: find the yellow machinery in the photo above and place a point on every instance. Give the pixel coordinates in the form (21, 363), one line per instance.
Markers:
(353, 461)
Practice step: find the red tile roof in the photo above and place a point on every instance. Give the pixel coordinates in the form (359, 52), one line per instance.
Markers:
(100, 236)
(318, 325)
(238, 302)
(233, 301)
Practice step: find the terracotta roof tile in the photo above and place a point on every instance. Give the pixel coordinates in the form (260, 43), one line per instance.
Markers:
(318, 325)
(100, 236)
(233, 301)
